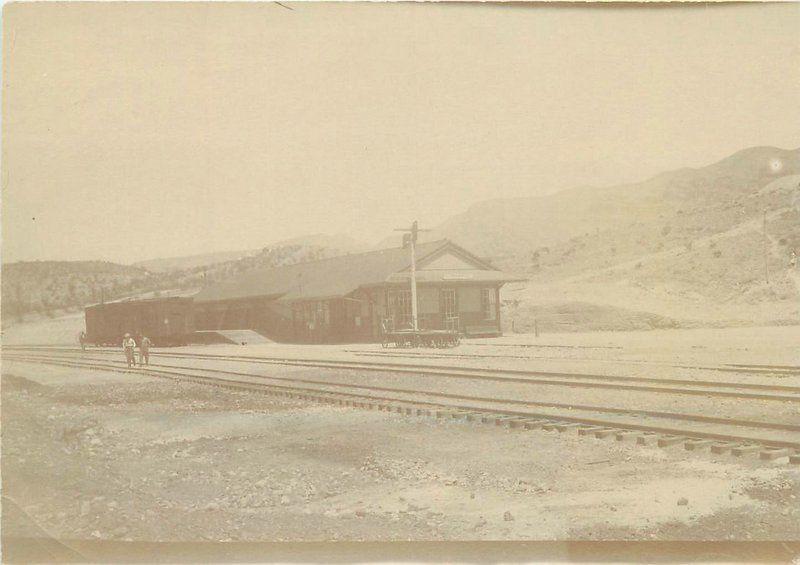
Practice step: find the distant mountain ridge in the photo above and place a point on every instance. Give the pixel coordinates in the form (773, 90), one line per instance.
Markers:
(521, 225)
(191, 261)
(342, 243)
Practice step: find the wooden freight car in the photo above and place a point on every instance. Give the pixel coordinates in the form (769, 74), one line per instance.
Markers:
(166, 321)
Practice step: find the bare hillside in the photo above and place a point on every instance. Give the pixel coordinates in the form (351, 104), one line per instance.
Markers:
(520, 226)
(41, 287)
(686, 246)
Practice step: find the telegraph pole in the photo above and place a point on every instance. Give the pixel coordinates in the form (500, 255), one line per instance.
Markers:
(410, 239)
(766, 250)
(414, 324)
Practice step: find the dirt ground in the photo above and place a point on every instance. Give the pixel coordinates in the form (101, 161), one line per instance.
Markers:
(90, 455)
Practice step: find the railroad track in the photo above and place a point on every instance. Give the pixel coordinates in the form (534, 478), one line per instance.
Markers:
(791, 368)
(772, 441)
(718, 389)
(738, 368)
(546, 345)
(779, 370)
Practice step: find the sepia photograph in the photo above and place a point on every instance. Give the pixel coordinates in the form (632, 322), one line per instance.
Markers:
(409, 281)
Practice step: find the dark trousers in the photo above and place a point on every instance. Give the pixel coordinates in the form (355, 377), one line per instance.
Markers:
(129, 356)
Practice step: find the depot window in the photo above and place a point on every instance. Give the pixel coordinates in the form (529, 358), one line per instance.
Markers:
(489, 303)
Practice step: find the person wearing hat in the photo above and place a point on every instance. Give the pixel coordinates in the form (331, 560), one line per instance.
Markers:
(144, 350)
(129, 345)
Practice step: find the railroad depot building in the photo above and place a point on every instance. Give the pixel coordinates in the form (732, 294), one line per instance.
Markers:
(346, 298)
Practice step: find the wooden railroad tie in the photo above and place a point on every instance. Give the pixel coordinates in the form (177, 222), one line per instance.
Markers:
(772, 454)
(740, 450)
(666, 441)
(503, 420)
(534, 424)
(515, 423)
(647, 438)
(696, 444)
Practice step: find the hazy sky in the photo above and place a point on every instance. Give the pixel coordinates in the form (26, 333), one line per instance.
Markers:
(133, 131)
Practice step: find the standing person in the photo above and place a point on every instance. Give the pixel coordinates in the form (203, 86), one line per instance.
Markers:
(82, 340)
(128, 344)
(385, 332)
(793, 260)
(144, 350)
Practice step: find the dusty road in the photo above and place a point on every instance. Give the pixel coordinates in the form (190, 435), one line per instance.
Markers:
(90, 455)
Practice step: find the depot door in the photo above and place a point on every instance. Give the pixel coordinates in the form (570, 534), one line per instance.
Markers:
(447, 303)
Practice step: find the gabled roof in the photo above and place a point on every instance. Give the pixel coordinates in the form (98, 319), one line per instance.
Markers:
(328, 278)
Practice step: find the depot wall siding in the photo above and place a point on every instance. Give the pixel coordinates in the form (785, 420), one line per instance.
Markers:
(355, 318)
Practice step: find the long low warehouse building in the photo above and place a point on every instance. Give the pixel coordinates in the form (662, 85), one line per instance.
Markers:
(346, 298)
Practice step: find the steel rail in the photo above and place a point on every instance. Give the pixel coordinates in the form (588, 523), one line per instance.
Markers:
(517, 376)
(591, 421)
(783, 370)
